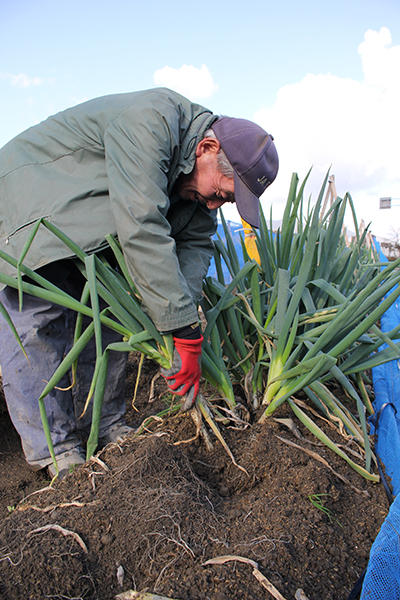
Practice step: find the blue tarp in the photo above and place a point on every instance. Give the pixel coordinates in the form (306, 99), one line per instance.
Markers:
(382, 579)
(235, 230)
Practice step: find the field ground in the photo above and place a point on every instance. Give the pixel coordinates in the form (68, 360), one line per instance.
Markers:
(154, 510)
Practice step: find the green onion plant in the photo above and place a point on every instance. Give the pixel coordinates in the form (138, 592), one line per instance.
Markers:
(112, 289)
(305, 318)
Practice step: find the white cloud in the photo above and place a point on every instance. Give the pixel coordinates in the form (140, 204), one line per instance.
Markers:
(193, 82)
(351, 126)
(380, 60)
(21, 80)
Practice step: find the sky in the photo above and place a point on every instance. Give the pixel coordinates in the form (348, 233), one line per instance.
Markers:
(323, 79)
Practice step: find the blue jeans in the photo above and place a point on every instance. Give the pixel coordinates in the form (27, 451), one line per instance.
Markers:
(46, 331)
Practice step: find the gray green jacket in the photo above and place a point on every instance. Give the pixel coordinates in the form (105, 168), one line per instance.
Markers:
(109, 166)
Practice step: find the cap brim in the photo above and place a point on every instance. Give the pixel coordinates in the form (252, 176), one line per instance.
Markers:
(248, 204)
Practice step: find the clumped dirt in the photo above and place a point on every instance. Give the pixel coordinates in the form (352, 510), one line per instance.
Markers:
(148, 513)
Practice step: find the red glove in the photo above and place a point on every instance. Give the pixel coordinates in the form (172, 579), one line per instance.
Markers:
(184, 376)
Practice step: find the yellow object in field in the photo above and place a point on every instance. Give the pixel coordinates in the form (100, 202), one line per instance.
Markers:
(250, 242)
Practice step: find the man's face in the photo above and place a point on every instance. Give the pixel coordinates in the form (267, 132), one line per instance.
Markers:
(206, 184)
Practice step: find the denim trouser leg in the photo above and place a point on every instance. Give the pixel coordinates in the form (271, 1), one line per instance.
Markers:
(114, 400)
(46, 331)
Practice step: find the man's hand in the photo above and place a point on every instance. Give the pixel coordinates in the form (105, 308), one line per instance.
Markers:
(183, 378)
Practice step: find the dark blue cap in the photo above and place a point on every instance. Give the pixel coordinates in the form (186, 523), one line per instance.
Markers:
(251, 152)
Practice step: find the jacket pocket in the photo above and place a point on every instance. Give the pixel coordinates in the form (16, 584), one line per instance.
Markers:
(8, 236)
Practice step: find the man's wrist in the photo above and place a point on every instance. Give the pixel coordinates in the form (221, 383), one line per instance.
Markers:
(188, 332)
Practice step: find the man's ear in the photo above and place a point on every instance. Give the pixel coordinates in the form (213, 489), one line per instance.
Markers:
(208, 144)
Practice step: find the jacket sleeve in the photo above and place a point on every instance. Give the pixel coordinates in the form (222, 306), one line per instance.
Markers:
(139, 147)
(195, 248)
